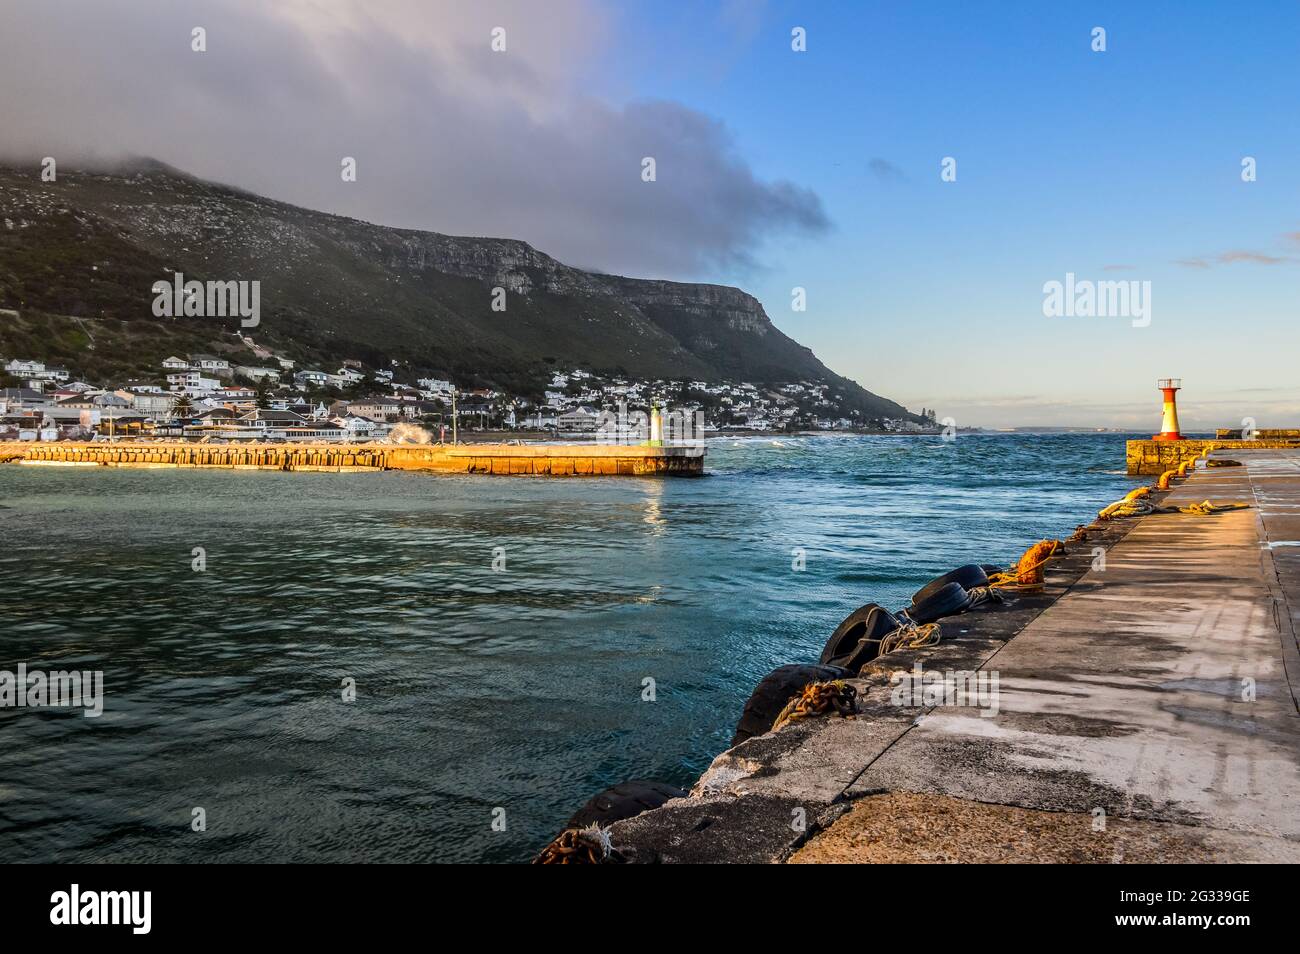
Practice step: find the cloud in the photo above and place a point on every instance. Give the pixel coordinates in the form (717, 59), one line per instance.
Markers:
(886, 171)
(1259, 258)
(447, 134)
(1280, 408)
(1118, 268)
(1231, 257)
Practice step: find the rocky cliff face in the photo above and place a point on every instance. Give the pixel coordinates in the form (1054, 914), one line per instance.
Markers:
(92, 243)
(520, 268)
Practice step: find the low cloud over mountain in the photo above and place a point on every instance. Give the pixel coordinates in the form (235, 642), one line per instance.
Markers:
(447, 134)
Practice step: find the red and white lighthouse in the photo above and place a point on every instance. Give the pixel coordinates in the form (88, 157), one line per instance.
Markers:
(1169, 425)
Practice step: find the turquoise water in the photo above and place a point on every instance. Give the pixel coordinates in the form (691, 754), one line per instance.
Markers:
(476, 689)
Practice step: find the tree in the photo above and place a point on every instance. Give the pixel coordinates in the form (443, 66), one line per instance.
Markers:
(183, 406)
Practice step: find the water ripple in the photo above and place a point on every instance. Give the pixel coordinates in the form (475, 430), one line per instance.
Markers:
(475, 689)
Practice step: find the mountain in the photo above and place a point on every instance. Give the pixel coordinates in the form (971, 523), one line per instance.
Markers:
(91, 245)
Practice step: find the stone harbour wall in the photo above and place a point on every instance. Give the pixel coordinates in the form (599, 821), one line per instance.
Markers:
(1152, 458)
(558, 460)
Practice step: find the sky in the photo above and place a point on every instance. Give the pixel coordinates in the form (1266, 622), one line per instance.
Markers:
(775, 168)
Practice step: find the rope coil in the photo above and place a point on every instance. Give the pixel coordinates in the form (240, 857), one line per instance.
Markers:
(908, 636)
(1205, 508)
(580, 846)
(818, 698)
(1028, 570)
(985, 594)
(1081, 532)
(1126, 508)
(1134, 505)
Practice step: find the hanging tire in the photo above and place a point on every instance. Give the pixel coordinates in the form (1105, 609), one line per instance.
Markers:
(777, 688)
(624, 800)
(969, 576)
(950, 599)
(846, 648)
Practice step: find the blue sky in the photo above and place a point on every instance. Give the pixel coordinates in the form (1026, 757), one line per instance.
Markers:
(776, 169)
(1114, 165)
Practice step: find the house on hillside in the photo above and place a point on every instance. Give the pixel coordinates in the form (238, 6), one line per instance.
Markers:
(357, 428)
(152, 402)
(210, 363)
(376, 409)
(578, 421)
(257, 374)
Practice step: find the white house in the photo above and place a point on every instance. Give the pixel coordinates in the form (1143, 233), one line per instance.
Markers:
(356, 427)
(192, 382)
(148, 402)
(580, 419)
(236, 393)
(321, 431)
(57, 375)
(210, 363)
(541, 420)
(23, 369)
(257, 374)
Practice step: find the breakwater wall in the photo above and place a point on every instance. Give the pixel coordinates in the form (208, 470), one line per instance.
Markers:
(1267, 434)
(1152, 458)
(555, 460)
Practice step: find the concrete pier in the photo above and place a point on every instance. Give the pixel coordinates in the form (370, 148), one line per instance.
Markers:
(1152, 458)
(555, 460)
(1147, 712)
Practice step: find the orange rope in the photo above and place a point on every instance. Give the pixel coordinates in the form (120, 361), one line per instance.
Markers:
(817, 698)
(1028, 571)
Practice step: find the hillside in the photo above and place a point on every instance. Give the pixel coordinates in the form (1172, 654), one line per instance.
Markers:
(91, 245)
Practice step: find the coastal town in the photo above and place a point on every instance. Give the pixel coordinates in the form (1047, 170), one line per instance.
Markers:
(215, 398)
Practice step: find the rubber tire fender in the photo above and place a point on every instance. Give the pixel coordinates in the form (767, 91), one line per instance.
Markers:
(777, 688)
(871, 620)
(624, 800)
(969, 576)
(951, 598)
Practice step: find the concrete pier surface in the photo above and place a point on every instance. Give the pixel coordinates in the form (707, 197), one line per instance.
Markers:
(1146, 712)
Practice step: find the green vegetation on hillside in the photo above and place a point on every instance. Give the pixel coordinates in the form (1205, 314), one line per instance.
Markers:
(101, 350)
(92, 244)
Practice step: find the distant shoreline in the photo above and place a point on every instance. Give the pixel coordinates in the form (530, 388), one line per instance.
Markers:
(479, 437)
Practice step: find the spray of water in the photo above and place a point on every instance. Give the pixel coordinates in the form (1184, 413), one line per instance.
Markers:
(408, 434)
